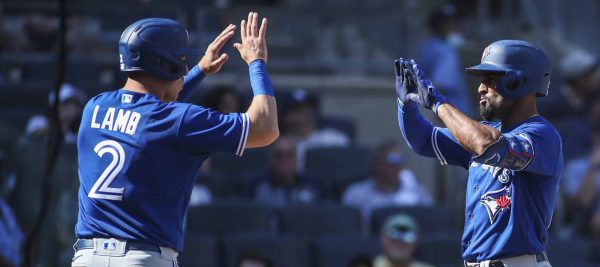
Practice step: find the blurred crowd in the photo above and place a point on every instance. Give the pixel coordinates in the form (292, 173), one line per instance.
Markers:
(369, 192)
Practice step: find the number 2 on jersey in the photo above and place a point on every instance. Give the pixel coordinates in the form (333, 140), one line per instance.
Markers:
(101, 188)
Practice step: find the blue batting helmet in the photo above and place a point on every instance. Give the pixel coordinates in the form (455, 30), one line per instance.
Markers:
(520, 67)
(158, 46)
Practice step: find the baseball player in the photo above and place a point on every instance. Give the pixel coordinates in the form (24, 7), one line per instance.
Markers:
(139, 153)
(514, 156)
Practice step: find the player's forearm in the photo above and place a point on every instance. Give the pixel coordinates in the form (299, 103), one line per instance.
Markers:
(190, 82)
(262, 112)
(415, 129)
(263, 121)
(472, 135)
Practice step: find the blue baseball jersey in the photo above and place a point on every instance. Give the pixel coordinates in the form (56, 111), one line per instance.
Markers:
(138, 159)
(512, 186)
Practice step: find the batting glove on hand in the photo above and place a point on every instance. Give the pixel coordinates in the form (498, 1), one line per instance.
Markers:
(404, 84)
(427, 95)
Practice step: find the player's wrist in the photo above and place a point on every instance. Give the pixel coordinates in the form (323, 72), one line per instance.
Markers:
(256, 60)
(439, 104)
(259, 79)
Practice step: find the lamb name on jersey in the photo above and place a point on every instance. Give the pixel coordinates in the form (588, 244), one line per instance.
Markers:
(126, 121)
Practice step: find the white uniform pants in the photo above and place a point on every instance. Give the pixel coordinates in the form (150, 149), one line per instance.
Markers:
(116, 255)
(525, 261)
(520, 261)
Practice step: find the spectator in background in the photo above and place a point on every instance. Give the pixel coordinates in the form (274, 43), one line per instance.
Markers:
(568, 108)
(390, 184)
(581, 183)
(253, 259)
(42, 32)
(71, 101)
(30, 155)
(12, 38)
(82, 34)
(439, 58)
(223, 99)
(37, 127)
(399, 243)
(11, 236)
(283, 184)
(299, 120)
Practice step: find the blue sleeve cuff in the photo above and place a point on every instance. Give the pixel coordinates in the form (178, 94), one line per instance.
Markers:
(259, 79)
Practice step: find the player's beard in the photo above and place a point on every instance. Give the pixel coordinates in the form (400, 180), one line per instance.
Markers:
(490, 110)
(487, 113)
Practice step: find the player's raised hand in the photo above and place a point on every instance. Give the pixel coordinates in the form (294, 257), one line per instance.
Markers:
(253, 45)
(404, 84)
(211, 62)
(427, 95)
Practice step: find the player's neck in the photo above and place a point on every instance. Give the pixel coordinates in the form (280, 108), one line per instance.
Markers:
(524, 109)
(145, 86)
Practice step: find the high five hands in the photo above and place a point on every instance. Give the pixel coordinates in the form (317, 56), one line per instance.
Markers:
(411, 85)
(253, 45)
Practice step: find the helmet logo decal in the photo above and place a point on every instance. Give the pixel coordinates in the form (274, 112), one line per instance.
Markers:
(486, 52)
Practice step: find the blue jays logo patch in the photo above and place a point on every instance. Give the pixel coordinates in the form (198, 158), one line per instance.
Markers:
(496, 201)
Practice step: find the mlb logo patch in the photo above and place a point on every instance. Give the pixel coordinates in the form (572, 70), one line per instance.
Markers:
(110, 245)
(126, 98)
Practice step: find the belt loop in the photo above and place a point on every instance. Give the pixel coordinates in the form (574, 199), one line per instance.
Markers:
(95, 249)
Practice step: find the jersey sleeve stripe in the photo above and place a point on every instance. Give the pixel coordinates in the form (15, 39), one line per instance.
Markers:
(436, 148)
(244, 135)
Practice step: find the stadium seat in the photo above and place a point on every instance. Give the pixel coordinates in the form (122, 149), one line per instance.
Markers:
(340, 249)
(42, 70)
(441, 249)
(340, 123)
(253, 160)
(436, 219)
(285, 251)
(219, 184)
(339, 166)
(199, 250)
(318, 219)
(574, 251)
(228, 217)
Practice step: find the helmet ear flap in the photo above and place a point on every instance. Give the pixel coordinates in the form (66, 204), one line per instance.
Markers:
(134, 54)
(169, 67)
(513, 85)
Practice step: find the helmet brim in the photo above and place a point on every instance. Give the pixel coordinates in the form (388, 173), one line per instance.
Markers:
(484, 69)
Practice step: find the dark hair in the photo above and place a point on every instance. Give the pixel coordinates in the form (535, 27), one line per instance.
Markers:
(253, 256)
